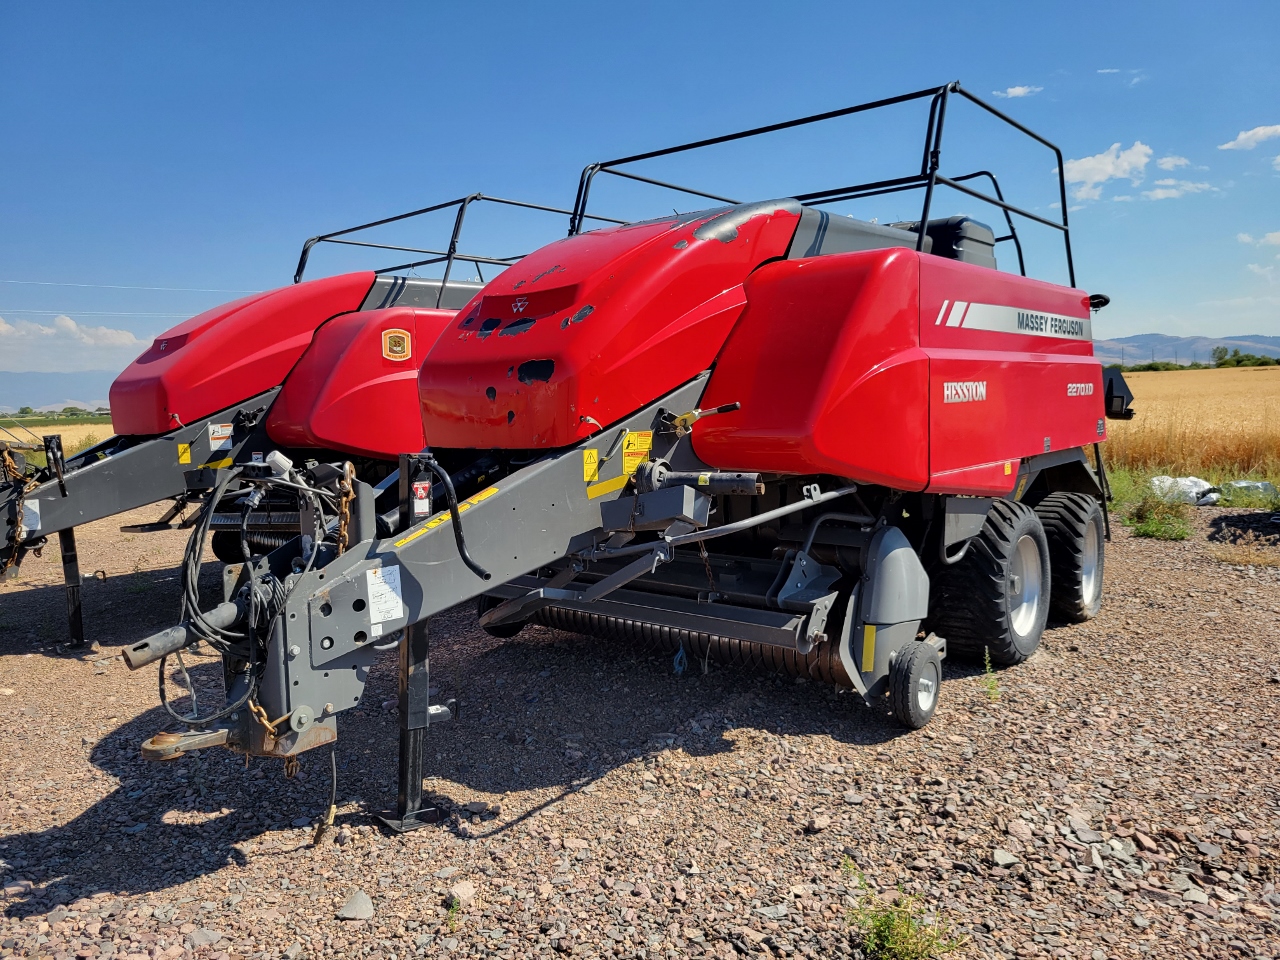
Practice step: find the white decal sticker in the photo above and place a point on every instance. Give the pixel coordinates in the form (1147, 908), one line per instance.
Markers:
(964, 391)
(30, 518)
(1002, 319)
(219, 437)
(384, 594)
(1079, 389)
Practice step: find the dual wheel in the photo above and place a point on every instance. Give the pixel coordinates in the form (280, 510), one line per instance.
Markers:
(993, 604)
(1025, 564)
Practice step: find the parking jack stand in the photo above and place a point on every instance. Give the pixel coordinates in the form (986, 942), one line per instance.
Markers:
(416, 714)
(71, 575)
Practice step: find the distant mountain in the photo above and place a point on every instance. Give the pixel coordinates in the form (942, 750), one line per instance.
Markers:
(50, 390)
(1145, 347)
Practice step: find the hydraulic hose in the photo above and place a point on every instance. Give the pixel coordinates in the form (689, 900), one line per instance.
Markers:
(452, 499)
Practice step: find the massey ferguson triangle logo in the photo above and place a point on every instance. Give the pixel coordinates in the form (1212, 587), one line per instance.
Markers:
(518, 304)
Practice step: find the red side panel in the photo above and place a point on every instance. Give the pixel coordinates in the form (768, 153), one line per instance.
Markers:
(589, 329)
(1011, 373)
(827, 366)
(356, 387)
(227, 354)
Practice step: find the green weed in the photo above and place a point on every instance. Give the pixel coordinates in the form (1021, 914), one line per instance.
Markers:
(989, 680)
(898, 929)
(1154, 516)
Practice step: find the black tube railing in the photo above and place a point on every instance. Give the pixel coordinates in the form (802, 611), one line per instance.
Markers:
(928, 178)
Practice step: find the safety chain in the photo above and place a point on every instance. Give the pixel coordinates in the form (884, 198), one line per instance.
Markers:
(261, 716)
(11, 470)
(347, 489)
(706, 565)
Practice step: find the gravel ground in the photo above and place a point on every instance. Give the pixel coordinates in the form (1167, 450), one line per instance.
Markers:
(1118, 796)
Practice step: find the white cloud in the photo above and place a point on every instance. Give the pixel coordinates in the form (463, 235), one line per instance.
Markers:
(1122, 198)
(1275, 162)
(1248, 139)
(1112, 164)
(1014, 92)
(1109, 70)
(1267, 273)
(1271, 239)
(65, 346)
(1172, 163)
(1245, 237)
(1171, 189)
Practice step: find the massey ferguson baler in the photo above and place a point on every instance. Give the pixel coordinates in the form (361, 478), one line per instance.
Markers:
(759, 433)
(313, 372)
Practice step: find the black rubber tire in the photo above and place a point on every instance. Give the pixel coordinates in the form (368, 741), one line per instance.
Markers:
(972, 602)
(503, 631)
(225, 545)
(915, 669)
(1067, 518)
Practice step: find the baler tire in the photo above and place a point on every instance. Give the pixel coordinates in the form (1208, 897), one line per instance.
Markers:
(973, 603)
(225, 545)
(503, 631)
(915, 677)
(1073, 524)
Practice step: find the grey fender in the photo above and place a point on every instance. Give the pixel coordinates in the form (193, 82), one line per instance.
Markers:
(896, 584)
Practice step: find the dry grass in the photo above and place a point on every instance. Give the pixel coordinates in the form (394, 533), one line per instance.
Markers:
(1246, 554)
(1212, 423)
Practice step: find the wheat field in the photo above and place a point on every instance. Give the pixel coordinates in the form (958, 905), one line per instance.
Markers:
(1217, 424)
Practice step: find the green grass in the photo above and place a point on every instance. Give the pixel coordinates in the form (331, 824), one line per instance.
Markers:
(1153, 516)
(1129, 487)
(8, 421)
(899, 930)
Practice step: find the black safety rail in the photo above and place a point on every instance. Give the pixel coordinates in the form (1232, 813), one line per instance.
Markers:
(448, 256)
(927, 179)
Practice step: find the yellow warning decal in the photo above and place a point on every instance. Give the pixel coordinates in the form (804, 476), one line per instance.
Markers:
(441, 518)
(608, 486)
(590, 465)
(635, 450)
(704, 479)
(868, 648)
(184, 453)
(1008, 467)
(1022, 488)
(216, 464)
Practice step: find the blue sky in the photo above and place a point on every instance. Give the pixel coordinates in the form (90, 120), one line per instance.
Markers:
(161, 158)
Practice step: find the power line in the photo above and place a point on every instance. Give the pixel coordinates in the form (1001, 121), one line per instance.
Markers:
(117, 286)
(88, 313)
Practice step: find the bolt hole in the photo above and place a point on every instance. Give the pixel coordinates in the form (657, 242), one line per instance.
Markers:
(326, 673)
(357, 605)
(326, 643)
(293, 616)
(295, 683)
(325, 609)
(361, 636)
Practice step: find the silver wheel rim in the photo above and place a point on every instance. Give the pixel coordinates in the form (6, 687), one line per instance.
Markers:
(927, 689)
(1025, 572)
(1089, 567)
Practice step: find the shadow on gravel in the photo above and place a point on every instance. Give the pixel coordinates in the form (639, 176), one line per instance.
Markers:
(117, 609)
(1253, 528)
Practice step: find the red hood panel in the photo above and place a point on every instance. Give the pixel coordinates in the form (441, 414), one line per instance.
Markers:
(588, 329)
(227, 354)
